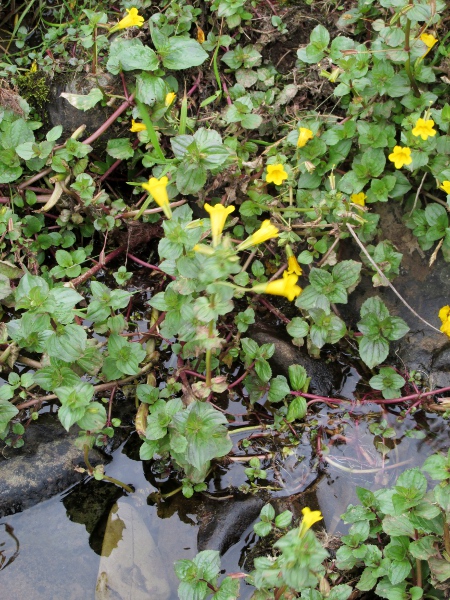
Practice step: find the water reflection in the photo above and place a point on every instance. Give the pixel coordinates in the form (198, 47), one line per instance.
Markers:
(9, 545)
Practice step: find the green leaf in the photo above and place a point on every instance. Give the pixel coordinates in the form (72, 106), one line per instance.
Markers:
(204, 427)
(320, 38)
(373, 352)
(9, 174)
(298, 328)
(398, 525)
(438, 466)
(262, 529)
(263, 369)
(182, 53)
(83, 102)
(190, 179)
(251, 121)
(284, 519)
(297, 377)
(279, 389)
(128, 55)
(120, 148)
(7, 412)
(150, 89)
(94, 417)
(297, 409)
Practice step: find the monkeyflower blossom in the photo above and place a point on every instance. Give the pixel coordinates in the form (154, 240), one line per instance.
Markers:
(136, 127)
(304, 134)
(276, 174)
(170, 97)
(157, 188)
(218, 215)
(264, 233)
(280, 287)
(309, 518)
(429, 40)
(358, 199)
(424, 129)
(293, 266)
(400, 156)
(445, 187)
(444, 315)
(133, 19)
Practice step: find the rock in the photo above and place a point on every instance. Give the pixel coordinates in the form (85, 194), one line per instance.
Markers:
(224, 522)
(131, 567)
(426, 289)
(61, 112)
(43, 467)
(325, 377)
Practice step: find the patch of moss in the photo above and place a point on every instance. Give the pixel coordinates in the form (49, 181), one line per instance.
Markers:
(33, 86)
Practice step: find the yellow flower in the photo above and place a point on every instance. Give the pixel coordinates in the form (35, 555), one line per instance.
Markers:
(157, 188)
(424, 129)
(309, 518)
(170, 97)
(304, 135)
(429, 40)
(264, 233)
(136, 127)
(281, 287)
(358, 198)
(218, 215)
(293, 266)
(400, 156)
(445, 187)
(133, 19)
(276, 174)
(444, 315)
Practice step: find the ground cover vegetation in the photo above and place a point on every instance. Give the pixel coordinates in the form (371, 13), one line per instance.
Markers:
(237, 194)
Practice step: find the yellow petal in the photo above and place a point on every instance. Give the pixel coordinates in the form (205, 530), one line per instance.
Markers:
(157, 188)
(218, 215)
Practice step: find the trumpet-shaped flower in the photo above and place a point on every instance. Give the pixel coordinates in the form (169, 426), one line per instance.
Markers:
(304, 134)
(170, 97)
(445, 187)
(133, 19)
(400, 156)
(281, 287)
(293, 266)
(157, 188)
(218, 215)
(136, 127)
(444, 315)
(424, 129)
(358, 198)
(309, 518)
(264, 233)
(276, 174)
(429, 40)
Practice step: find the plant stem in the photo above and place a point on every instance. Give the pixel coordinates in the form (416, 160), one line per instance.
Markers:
(408, 61)
(110, 479)
(386, 280)
(208, 356)
(150, 129)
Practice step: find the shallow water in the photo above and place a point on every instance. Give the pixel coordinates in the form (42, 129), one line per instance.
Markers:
(51, 551)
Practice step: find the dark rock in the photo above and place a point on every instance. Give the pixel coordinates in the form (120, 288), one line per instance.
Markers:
(426, 289)
(61, 112)
(43, 467)
(224, 522)
(325, 376)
